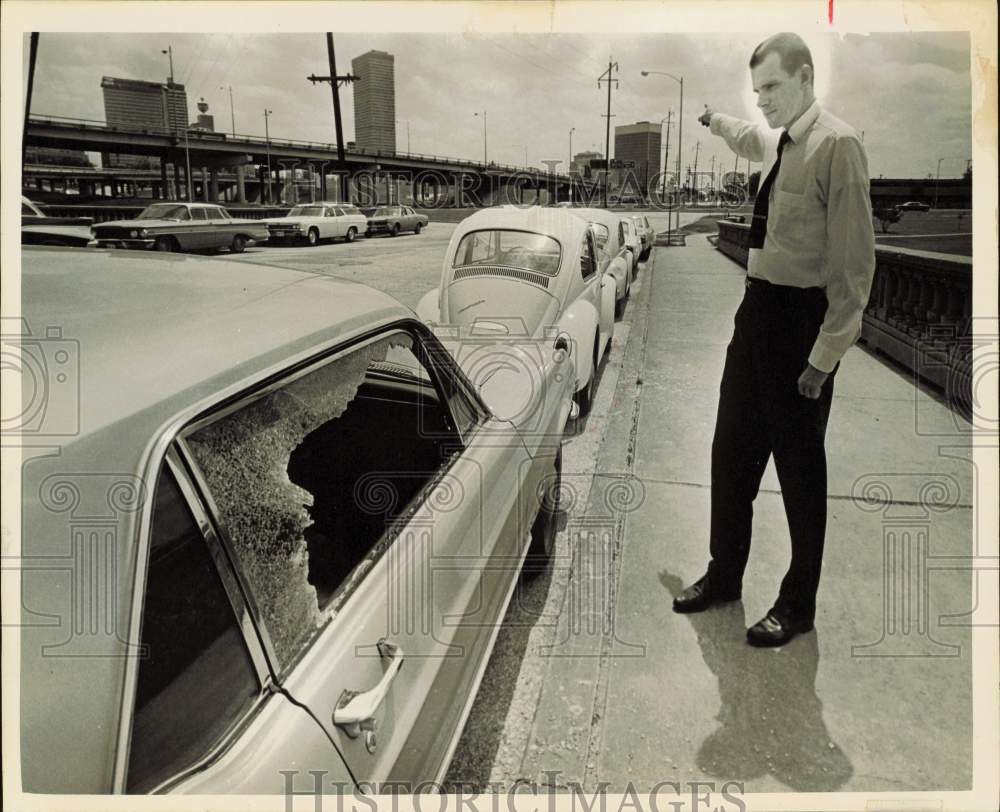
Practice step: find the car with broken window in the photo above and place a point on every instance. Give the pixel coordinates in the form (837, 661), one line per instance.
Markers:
(314, 222)
(393, 220)
(534, 272)
(633, 242)
(280, 533)
(179, 226)
(615, 256)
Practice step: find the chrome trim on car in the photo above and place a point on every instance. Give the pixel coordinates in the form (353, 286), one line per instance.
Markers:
(533, 277)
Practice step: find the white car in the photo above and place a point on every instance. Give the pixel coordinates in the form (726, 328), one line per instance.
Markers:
(634, 243)
(314, 222)
(531, 272)
(646, 233)
(616, 257)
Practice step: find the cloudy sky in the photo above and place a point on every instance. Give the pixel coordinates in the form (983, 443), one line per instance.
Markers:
(909, 92)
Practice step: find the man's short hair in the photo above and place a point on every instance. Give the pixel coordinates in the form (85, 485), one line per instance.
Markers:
(790, 47)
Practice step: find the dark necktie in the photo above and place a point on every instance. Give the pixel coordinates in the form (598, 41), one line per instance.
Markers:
(758, 226)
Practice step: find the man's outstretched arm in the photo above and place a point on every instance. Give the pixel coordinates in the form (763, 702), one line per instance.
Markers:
(744, 138)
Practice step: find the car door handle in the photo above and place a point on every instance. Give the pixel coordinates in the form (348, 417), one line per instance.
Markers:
(356, 710)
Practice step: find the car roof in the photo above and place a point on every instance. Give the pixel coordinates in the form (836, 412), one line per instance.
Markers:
(563, 224)
(154, 331)
(604, 216)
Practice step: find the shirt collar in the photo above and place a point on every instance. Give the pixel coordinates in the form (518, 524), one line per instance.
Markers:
(804, 122)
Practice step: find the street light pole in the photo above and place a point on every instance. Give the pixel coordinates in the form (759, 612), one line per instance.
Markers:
(569, 166)
(232, 110)
(680, 127)
(170, 55)
(484, 136)
(267, 143)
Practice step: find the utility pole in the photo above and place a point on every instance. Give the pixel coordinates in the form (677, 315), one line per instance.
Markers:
(666, 157)
(607, 132)
(694, 174)
(32, 56)
(232, 110)
(335, 83)
(267, 144)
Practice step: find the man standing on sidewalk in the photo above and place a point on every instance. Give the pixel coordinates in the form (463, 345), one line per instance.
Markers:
(812, 258)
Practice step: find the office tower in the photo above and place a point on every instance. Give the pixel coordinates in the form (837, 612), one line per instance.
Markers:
(375, 101)
(641, 144)
(134, 104)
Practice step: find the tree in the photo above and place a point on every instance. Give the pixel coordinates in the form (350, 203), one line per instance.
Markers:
(887, 215)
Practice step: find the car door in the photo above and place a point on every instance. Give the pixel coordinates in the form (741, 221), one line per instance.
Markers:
(371, 530)
(199, 233)
(335, 222)
(222, 228)
(409, 219)
(204, 715)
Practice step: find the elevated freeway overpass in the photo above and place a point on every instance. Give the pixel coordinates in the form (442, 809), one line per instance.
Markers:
(213, 156)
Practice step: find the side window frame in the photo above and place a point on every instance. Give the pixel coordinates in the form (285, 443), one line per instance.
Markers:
(173, 461)
(588, 240)
(426, 349)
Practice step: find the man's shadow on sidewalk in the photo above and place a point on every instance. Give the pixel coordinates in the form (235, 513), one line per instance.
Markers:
(771, 719)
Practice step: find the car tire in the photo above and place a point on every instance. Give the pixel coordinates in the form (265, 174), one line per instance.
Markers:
(368, 232)
(544, 529)
(394, 231)
(352, 232)
(585, 397)
(313, 237)
(167, 244)
(418, 228)
(238, 245)
(620, 306)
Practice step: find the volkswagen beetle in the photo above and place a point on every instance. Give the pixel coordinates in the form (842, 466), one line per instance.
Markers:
(531, 271)
(615, 255)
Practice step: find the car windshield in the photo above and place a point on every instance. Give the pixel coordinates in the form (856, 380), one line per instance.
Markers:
(384, 211)
(601, 233)
(164, 211)
(518, 249)
(306, 211)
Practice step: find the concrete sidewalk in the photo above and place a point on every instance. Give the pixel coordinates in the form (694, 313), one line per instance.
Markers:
(878, 698)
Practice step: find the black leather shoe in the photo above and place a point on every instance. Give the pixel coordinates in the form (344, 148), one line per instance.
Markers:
(774, 629)
(700, 595)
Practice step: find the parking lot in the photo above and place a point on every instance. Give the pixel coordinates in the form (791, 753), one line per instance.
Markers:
(499, 727)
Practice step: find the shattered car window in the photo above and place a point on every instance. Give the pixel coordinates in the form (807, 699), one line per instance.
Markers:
(284, 471)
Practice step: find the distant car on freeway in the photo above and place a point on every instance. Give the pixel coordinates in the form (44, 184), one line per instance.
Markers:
(37, 228)
(392, 220)
(181, 226)
(914, 205)
(270, 453)
(313, 222)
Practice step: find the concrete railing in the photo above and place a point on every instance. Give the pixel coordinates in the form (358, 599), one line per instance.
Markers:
(919, 313)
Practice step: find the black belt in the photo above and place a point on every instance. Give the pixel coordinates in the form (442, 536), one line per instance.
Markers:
(756, 283)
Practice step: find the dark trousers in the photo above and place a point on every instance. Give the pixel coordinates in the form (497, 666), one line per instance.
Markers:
(762, 413)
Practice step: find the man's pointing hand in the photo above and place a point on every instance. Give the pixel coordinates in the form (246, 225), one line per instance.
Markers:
(706, 117)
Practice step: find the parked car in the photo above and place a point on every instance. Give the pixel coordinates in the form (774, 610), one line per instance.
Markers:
(180, 226)
(313, 222)
(296, 489)
(914, 205)
(615, 256)
(37, 228)
(534, 272)
(646, 233)
(392, 220)
(633, 242)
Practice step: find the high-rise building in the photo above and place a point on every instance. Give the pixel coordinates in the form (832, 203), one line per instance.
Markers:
(134, 104)
(580, 167)
(375, 101)
(641, 144)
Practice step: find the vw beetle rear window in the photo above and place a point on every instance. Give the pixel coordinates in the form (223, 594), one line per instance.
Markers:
(514, 249)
